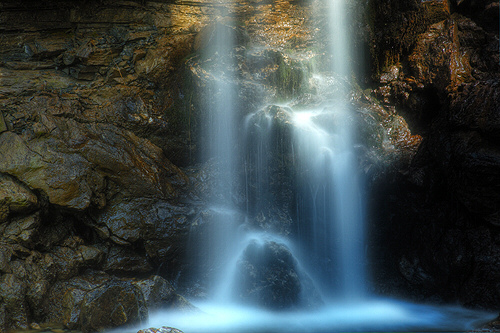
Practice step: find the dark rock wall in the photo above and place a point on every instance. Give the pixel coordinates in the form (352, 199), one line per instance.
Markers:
(440, 215)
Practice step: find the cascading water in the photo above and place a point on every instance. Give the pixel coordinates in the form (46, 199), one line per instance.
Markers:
(329, 217)
(333, 211)
(221, 237)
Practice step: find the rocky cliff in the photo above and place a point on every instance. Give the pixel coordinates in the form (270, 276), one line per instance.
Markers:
(86, 103)
(101, 125)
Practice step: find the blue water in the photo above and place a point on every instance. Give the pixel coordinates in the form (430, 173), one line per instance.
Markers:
(371, 315)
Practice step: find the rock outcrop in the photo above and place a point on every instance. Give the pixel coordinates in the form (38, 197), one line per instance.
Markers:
(86, 177)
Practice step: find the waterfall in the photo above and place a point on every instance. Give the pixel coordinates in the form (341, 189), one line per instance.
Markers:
(222, 111)
(349, 214)
(221, 237)
(242, 259)
(331, 213)
(331, 210)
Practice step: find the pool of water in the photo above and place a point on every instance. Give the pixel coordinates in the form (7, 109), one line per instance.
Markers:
(380, 315)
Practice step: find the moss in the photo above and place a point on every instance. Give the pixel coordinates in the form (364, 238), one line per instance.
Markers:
(289, 76)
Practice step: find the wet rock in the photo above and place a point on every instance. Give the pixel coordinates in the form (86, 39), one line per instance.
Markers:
(3, 125)
(5, 257)
(208, 227)
(15, 81)
(48, 175)
(269, 168)
(13, 304)
(119, 259)
(160, 225)
(438, 58)
(22, 230)
(268, 275)
(209, 34)
(163, 59)
(94, 302)
(290, 76)
(475, 106)
(68, 178)
(494, 324)
(157, 291)
(438, 9)
(485, 12)
(15, 198)
(35, 296)
(68, 261)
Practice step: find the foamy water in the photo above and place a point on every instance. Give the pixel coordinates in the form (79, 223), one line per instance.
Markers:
(369, 315)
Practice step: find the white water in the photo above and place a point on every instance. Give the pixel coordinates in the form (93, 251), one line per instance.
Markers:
(223, 235)
(332, 212)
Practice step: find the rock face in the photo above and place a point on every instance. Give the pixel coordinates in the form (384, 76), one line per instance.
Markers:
(95, 300)
(86, 178)
(441, 215)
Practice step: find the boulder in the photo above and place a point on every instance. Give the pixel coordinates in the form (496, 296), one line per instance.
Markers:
(71, 164)
(268, 275)
(161, 226)
(438, 58)
(15, 198)
(93, 302)
(21, 230)
(157, 292)
(68, 262)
